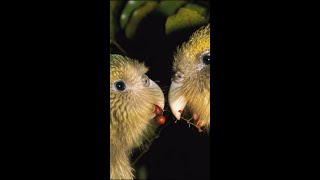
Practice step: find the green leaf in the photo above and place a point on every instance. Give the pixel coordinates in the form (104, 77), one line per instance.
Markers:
(137, 16)
(114, 12)
(170, 7)
(185, 18)
(127, 11)
(196, 7)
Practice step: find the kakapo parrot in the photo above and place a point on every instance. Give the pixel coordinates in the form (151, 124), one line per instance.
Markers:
(133, 98)
(189, 93)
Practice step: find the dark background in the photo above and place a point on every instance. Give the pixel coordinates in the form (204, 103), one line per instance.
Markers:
(264, 92)
(180, 152)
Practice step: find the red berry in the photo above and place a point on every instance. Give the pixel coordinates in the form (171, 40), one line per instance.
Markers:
(158, 110)
(199, 123)
(195, 116)
(161, 119)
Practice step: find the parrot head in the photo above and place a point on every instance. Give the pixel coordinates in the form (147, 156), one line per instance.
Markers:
(189, 94)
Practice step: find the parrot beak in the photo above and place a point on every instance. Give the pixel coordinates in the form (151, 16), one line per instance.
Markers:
(176, 102)
(158, 93)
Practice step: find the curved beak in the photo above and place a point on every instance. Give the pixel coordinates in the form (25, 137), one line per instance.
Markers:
(177, 102)
(159, 94)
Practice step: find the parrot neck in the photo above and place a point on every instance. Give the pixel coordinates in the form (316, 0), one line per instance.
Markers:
(120, 166)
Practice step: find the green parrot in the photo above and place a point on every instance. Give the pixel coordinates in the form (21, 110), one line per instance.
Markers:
(133, 98)
(189, 93)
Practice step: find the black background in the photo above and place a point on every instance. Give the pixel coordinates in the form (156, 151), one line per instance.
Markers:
(55, 93)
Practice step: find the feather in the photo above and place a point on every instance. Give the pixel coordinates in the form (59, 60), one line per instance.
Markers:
(133, 97)
(189, 94)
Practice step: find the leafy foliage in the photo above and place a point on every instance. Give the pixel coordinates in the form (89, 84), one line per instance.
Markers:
(127, 16)
(184, 18)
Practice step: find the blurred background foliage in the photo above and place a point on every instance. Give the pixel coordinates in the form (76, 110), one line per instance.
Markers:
(150, 31)
(126, 17)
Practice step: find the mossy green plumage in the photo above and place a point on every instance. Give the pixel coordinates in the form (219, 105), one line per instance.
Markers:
(131, 112)
(190, 87)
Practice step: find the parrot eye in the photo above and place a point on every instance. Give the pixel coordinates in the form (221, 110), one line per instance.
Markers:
(120, 86)
(146, 80)
(178, 77)
(206, 58)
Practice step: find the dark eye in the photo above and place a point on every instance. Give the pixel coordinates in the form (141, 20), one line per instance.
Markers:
(120, 85)
(206, 59)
